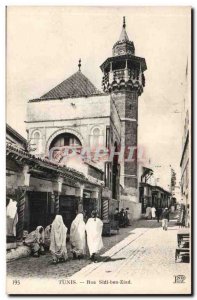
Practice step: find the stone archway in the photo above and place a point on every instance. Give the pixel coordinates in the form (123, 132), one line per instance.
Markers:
(62, 131)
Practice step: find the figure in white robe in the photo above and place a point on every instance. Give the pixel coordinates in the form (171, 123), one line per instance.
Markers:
(11, 218)
(58, 240)
(94, 227)
(78, 237)
(153, 210)
(148, 212)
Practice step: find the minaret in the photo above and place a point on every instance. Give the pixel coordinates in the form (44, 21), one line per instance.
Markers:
(123, 78)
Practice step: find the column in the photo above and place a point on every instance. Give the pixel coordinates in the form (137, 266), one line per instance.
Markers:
(126, 72)
(21, 193)
(105, 209)
(57, 186)
(57, 207)
(111, 75)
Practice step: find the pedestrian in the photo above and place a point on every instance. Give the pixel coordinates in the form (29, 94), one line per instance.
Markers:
(122, 218)
(165, 219)
(78, 237)
(127, 216)
(117, 215)
(148, 213)
(94, 227)
(153, 210)
(35, 240)
(47, 236)
(58, 240)
(158, 213)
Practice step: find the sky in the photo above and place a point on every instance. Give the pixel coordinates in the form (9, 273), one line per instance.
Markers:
(44, 45)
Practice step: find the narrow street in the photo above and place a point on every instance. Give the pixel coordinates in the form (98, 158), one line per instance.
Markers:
(138, 252)
(139, 256)
(140, 260)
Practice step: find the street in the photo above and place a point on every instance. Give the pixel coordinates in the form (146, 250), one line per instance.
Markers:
(137, 251)
(42, 267)
(140, 255)
(146, 258)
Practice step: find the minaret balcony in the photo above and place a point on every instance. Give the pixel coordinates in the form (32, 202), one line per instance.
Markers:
(123, 79)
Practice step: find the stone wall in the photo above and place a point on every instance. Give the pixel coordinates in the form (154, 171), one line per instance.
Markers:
(68, 109)
(133, 205)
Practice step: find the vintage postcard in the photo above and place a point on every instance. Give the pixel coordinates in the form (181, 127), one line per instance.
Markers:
(98, 150)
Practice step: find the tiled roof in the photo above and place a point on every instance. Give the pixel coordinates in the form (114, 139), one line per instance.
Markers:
(77, 85)
(10, 130)
(46, 163)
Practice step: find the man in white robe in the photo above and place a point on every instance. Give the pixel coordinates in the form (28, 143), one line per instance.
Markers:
(94, 227)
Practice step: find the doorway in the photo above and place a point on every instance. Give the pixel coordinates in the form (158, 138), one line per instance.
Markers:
(38, 209)
(68, 207)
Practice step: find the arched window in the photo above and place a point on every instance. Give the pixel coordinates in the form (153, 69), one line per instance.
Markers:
(37, 142)
(96, 135)
(96, 138)
(65, 139)
(60, 143)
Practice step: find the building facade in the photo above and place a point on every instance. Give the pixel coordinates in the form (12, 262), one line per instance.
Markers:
(76, 114)
(185, 162)
(153, 195)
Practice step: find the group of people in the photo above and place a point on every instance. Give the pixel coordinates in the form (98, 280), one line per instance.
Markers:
(158, 213)
(122, 217)
(54, 238)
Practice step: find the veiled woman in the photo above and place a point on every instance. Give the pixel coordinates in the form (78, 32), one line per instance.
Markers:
(77, 236)
(35, 240)
(58, 240)
(94, 227)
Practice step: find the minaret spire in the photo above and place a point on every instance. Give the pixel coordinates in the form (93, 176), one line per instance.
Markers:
(123, 35)
(79, 65)
(124, 23)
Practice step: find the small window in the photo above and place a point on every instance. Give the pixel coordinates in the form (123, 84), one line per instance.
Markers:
(37, 142)
(96, 135)
(96, 138)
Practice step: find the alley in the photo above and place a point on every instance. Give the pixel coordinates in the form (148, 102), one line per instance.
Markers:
(143, 247)
(139, 262)
(139, 256)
